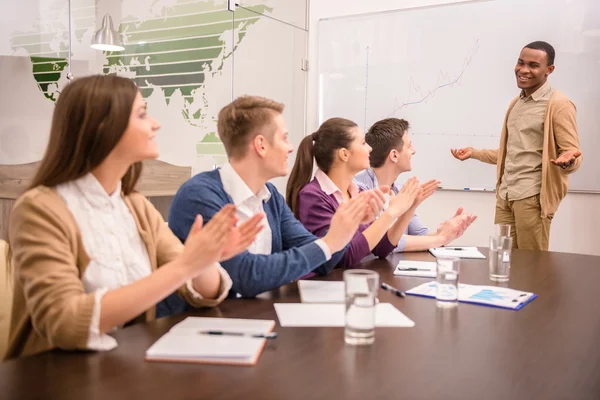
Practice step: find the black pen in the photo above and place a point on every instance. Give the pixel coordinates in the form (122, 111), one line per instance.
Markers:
(389, 288)
(415, 269)
(269, 335)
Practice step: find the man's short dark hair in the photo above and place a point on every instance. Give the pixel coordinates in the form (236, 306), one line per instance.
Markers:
(545, 47)
(383, 137)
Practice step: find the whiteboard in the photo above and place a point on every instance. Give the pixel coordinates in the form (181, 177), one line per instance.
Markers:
(449, 71)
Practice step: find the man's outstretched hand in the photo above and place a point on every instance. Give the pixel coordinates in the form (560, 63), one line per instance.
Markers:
(566, 159)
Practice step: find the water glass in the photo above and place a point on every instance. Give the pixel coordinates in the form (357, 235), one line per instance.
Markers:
(447, 281)
(502, 230)
(499, 258)
(361, 288)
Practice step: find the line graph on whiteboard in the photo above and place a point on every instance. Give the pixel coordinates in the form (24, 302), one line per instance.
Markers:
(417, 93)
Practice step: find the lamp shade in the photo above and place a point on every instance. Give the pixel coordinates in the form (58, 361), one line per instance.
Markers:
(107, 38)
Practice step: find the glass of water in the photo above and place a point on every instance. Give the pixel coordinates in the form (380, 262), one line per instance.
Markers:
(361, 287)
(502, 230)
(499, 258)
(447, 281)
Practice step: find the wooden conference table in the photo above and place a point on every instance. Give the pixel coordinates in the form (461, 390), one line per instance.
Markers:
(548, 350)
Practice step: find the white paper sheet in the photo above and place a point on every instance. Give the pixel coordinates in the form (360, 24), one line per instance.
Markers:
(332, 315)
(321, 291)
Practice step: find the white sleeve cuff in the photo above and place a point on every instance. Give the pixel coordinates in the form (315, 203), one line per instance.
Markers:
(226, 284)
(97, 340)
(325, 248)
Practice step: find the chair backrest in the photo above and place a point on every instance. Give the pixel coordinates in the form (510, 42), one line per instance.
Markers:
(5, 297)
(159, 181)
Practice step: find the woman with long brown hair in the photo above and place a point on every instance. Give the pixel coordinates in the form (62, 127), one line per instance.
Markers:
(90, 253)
(340, 150)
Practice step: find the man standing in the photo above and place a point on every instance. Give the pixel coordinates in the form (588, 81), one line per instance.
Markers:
(539, 147)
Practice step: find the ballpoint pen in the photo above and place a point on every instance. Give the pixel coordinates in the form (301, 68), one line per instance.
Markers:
(391, 289)
(269, 335)
(414, 269)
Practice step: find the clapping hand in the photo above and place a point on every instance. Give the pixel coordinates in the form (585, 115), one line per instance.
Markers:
(454, 228)
(405, 198)
(427, 189)
(242, 236)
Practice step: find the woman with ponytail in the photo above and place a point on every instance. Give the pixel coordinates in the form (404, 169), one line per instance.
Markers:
(340, 151)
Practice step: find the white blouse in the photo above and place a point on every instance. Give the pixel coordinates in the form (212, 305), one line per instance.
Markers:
(118, 255)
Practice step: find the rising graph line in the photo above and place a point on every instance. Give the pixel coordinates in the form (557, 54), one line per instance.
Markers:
(443, 80)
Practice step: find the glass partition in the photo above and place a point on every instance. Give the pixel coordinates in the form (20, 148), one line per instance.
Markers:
(188, 57)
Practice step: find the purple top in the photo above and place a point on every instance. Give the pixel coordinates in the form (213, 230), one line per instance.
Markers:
(315, 210)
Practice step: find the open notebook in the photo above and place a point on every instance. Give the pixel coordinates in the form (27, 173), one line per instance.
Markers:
(185, 343)
(420, 269)
(459, 252)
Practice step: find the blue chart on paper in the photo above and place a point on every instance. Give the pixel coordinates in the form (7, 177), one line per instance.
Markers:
(487, 295)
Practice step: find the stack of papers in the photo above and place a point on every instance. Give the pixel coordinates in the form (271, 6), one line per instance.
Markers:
(459, 252)
(323, 304)
(321, 291)
(185, 342)
(333, 315)
(421, 269)
(492, 296)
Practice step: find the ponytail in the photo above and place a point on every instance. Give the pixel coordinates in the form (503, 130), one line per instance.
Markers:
(301, 173)
(332, 135)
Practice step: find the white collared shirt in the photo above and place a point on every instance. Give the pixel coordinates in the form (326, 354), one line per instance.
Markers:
(330, 188)
(248, 204)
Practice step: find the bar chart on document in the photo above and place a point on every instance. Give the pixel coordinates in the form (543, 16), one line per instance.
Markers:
(449, 71)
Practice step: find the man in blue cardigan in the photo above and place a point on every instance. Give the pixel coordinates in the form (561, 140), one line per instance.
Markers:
(253, 132)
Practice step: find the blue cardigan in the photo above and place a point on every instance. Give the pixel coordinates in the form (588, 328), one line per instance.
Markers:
(294, 251)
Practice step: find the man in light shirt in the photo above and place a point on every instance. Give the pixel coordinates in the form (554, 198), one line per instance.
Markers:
(391, 155)
(539, 148)
(255, 138)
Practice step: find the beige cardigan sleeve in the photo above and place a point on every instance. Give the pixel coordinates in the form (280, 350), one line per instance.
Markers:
(565, 134)
(486, 156)
(168, 248)
(45, 265)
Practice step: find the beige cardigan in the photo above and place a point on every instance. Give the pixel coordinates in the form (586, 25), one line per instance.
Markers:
(50, 307)
(560, 135)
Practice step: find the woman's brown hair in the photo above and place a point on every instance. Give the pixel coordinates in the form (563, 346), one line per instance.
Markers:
(332, 135)
(89, 119)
